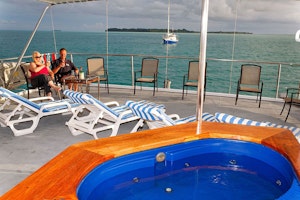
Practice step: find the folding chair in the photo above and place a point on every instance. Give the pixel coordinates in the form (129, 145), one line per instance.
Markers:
(250, 81)
(148, 73)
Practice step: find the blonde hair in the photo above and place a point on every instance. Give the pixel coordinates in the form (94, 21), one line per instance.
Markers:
(34, 53)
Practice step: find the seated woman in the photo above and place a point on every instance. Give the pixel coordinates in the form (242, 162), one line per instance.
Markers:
(41, 74)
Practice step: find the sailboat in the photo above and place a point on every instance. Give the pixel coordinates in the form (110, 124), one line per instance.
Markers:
(169, 38)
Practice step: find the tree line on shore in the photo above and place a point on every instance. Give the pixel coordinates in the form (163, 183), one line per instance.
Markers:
(165, 30)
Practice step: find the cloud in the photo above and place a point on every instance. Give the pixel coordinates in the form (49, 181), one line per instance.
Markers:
(257, 16)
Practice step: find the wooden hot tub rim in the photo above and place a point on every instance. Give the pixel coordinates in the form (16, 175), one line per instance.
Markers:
(56, 179)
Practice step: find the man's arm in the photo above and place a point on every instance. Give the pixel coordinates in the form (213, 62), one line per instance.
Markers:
(56, 66)
(76, 70)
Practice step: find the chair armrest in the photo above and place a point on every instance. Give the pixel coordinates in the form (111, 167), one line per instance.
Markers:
(184, 78)
(112, 103)
(41, 99)
(174, 116)
(55, 104)
(291, 91)
(126, 112)
(135, 73)
(295, 95)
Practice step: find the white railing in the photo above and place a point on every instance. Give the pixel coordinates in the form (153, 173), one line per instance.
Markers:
(277, 76)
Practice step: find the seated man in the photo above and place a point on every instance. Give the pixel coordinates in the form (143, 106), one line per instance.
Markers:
(62, 68)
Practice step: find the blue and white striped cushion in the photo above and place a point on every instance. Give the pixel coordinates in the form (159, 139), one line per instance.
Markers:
(76, 97)
(152, 112)
(186, 120)
(226, 118)
(146, 110)
(208, 117)
(9, 94)
(89, 99)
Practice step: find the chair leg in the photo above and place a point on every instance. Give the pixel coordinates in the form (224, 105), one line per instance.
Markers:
(288, 111)
(260, 100)
(154, 89)
(139, 124)
(107, 87)
(134, 87)
(237, 96)
(182, 93)
(283, 108)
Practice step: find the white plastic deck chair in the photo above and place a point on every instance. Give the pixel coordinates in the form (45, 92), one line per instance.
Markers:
(155, 117)
(23, 115)
(93, 116)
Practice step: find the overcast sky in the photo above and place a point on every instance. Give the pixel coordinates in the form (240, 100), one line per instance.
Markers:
(256, 16)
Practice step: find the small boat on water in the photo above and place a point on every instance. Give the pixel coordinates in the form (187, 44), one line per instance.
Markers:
(169, 38)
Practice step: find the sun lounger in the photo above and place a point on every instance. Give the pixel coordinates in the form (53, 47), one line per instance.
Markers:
(227, 118)
(93, 116)
(154, 115)
(23, 115)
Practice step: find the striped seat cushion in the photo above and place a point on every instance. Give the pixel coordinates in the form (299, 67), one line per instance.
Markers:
(146, 110)
(38, 106)
(208, 117)
(150, 111)
(226, 118)
(83, 98)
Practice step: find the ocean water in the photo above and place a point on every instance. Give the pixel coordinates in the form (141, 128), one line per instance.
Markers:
(221, 76)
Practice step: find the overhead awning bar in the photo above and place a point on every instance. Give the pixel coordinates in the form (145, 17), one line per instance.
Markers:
(50, 3)
(53, 2)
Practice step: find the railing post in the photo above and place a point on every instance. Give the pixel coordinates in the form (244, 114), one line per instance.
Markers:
(71, 57)
(132, 72)
(2, 77)
(278, 80)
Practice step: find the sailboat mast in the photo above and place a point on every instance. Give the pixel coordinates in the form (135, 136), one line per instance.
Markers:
(168, 31)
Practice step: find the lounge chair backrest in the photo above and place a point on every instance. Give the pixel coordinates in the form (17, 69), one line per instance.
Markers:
(7, 93)
(149, 66)
(150, 111)
(95, 66)
(82, 98)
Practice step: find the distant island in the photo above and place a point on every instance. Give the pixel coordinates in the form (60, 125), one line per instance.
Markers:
(164, 30)
(148, 30)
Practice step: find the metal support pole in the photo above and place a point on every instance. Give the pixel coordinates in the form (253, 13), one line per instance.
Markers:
(202, 61)
(107, 60)
(132, 72)
(278, 80)
(27, 45)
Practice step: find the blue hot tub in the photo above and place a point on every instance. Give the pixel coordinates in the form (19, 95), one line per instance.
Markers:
(203, 169)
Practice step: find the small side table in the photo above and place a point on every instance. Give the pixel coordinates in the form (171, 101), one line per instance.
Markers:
(86, 81)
